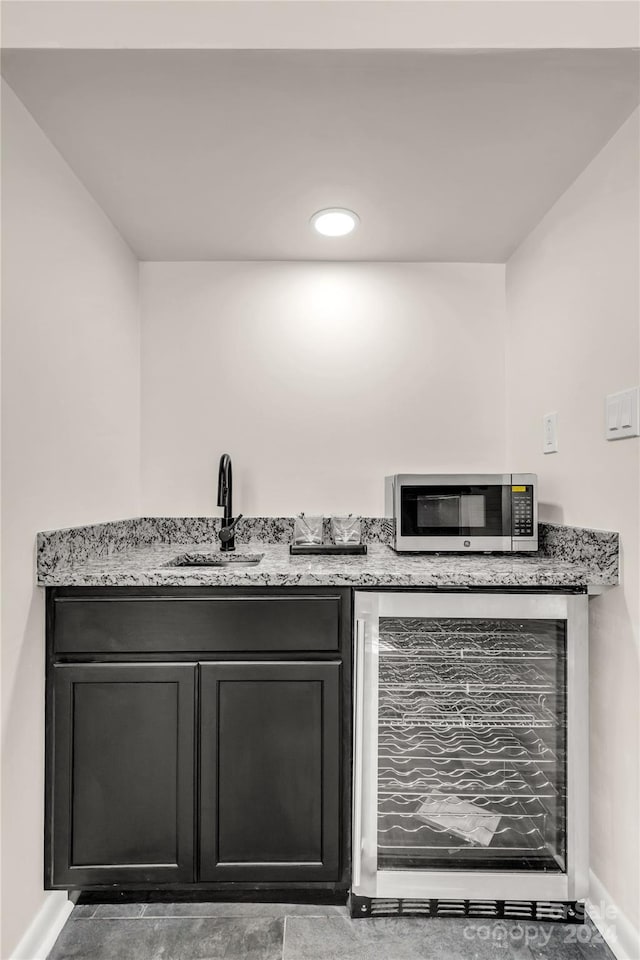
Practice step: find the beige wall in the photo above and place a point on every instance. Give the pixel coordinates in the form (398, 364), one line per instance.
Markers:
(70, 441)
(318, 379)
(574, 336)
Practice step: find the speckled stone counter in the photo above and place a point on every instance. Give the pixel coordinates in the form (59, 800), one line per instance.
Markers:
(139, 553)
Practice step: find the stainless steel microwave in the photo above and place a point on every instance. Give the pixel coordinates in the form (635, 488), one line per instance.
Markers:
(467, 513)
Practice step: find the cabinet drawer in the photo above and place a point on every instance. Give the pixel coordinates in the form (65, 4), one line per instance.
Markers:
(197, 625)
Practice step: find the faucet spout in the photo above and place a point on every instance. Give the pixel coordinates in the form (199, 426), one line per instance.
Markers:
(225, 500)
(225, 485)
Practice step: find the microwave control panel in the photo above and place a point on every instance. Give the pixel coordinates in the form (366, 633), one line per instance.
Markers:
(522, 511)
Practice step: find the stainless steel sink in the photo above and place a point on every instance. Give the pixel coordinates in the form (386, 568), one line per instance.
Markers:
(211, 558)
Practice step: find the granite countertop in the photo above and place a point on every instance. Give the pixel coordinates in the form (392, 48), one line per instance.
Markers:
(381, 567)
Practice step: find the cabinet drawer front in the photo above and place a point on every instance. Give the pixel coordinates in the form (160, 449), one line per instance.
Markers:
(243, 624)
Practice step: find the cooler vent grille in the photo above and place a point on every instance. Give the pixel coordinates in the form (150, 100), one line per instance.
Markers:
(534, 910)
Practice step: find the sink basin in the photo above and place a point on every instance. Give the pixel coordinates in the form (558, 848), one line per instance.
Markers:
(214, 559)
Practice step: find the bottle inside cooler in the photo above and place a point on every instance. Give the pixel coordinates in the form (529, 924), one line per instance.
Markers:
(471, 744)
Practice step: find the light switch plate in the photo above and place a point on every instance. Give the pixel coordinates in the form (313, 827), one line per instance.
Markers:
(622, 414)
(550, 433)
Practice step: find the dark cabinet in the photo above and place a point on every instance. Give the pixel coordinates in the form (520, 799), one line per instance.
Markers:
(123, 754)
(270, 771)
(197, 738)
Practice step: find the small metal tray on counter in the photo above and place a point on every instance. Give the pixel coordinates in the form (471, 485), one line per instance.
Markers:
(328, 549)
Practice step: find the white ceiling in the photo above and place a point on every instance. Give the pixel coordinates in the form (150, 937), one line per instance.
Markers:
(224, 155)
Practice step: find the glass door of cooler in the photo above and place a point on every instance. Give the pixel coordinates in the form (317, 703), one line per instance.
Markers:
(470, 754)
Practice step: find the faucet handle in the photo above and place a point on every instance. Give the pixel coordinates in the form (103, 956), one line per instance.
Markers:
(226, 533)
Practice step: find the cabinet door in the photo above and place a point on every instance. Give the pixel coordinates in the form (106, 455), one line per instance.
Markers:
(123, 774)
(270, 771)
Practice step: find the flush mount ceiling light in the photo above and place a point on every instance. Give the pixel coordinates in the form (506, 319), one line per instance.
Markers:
(334, 222)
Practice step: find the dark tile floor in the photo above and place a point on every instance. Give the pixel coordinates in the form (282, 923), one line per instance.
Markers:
(266, 931)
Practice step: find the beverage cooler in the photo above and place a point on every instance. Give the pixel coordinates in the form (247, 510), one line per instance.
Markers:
(470, 755)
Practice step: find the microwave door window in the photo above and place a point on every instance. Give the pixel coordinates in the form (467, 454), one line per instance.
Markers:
(435, 511)
(453, 512)
(459, 511)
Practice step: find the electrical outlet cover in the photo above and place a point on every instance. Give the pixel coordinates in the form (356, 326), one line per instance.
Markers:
(550, 433)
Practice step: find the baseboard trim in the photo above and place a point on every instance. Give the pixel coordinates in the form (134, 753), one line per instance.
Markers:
(618, 932)
(44, 929)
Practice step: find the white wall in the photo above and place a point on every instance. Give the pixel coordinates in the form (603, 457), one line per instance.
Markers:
(574, 336)
(318, 379)
(70, 441)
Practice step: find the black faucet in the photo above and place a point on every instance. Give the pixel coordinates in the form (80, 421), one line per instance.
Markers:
(225, 499)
